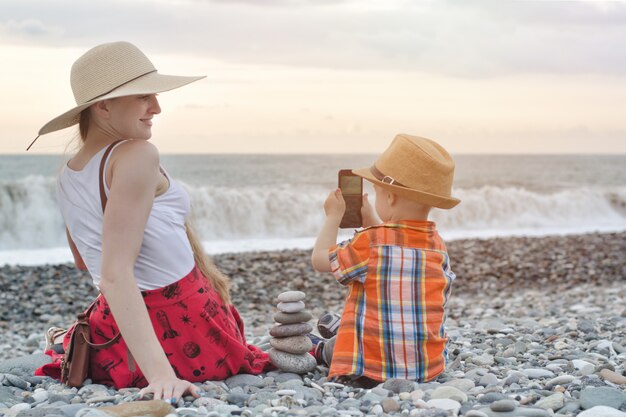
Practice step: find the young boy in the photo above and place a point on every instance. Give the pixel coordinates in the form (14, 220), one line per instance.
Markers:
(398, 272)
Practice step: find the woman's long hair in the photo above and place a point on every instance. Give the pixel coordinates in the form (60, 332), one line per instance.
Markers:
(216, 278)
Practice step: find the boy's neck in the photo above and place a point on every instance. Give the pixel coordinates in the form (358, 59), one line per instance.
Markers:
(409, 213)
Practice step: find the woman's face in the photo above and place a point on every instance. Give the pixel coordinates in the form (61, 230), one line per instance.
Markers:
(131, 116)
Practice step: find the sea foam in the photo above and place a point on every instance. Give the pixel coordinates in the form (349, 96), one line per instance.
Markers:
(235, 219)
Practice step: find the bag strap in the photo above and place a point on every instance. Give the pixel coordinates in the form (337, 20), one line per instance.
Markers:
(103, 195)
(84, 316)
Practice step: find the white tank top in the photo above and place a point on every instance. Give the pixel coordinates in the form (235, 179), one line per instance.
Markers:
(165, 256)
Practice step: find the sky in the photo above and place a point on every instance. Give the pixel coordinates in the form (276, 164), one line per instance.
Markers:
(335, 76)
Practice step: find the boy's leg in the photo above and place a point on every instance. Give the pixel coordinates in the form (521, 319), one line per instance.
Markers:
(322, 349)
(327, 351)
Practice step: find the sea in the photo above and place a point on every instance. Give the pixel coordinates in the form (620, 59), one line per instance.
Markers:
(245, 203)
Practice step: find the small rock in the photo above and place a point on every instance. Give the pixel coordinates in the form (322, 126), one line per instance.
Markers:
(289, 318)
(389, 405)
(613, 377)
(24, 365)
(243, 380)
(295, 329)
(153, 408)
(488, 379)
(475, 413)
(445, 404)
(503, 405)
(291, 307)
(553, 402)
(602, 411)
(292, 363)
(294, 344)
(607, 396)
(451, 393)
(483, 360)
(19, 407)
(91, 412)
(16, 381)
(397, 386)
(537, 373)
(560, 380)
(463, 384)
(290, 296)
(584, 367)
(101, 399)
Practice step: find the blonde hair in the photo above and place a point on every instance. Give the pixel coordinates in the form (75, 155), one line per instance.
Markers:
(213, 275)
(216, 278)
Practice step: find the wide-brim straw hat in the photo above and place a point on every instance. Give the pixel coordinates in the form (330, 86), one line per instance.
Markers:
(112, 70)
(416, 168)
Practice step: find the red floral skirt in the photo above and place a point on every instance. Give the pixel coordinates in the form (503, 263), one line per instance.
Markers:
(202, 338)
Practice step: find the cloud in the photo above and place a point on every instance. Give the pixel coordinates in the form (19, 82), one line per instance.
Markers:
(462, 39)
(28, 28)
(281, 3)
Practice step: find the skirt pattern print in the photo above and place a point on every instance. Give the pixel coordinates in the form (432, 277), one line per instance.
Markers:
(202, 338)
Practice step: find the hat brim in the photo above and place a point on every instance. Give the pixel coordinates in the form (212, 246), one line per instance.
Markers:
(150, 83)
(415, 195)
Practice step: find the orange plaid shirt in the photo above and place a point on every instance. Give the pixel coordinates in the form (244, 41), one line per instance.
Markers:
(399, 281)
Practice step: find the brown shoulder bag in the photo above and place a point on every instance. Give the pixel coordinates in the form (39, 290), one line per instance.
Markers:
(75, 363)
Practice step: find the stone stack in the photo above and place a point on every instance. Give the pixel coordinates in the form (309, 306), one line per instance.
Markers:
(290, 345)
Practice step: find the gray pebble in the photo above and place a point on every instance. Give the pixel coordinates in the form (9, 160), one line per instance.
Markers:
(294, 344)
(289, 318)
(503, 405)
(490, 397)
(16, 381)
(292, 363)
(243, 380)
(537, 373)
(399, 385)
(475, 413)
(389, 405)
(293, 307)
(295, 329)
(291, 296)
(602, 411)
(488, 379)
(607, 396)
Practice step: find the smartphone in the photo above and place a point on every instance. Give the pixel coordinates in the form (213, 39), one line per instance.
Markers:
(352, 190)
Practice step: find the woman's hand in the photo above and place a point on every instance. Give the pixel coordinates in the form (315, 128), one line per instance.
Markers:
(335, 206)
(170, 389)
(368, 214)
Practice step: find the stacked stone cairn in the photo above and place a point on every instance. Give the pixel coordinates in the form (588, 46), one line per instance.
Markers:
(290, 345)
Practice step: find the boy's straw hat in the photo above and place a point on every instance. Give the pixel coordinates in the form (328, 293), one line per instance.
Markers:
(415, 168)
(112, 70)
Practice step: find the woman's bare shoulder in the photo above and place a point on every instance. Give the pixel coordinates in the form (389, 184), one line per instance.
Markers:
(136, 151)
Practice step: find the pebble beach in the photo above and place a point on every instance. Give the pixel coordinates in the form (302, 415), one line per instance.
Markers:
(536, 327)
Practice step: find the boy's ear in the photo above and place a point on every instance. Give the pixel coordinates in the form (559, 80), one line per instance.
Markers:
(392, 199)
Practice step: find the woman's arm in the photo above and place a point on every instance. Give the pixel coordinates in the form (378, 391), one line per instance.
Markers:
(134, 175)
(78, 260)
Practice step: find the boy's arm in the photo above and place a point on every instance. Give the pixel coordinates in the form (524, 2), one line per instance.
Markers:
(368, 213)
(334, 206)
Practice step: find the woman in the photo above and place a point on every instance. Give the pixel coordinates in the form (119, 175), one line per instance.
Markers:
(157, 287)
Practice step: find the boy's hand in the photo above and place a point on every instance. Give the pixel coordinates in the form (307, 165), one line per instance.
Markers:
(367, 213)
(335, 206)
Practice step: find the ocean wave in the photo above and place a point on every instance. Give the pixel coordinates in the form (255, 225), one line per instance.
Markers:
(30, 218)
